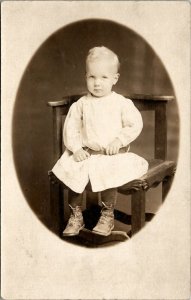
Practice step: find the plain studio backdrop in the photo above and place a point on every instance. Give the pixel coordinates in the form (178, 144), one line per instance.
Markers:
(44, 48)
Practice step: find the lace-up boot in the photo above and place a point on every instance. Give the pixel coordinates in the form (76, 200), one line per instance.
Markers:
(106, 221)
(75, 222)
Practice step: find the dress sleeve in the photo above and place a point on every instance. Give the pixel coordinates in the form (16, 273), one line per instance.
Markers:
(131, 122)
(73, 127)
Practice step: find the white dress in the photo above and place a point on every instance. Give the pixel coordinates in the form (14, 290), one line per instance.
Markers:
(95, 121)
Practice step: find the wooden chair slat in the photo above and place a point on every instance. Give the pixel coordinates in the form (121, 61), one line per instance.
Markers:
(152, 98)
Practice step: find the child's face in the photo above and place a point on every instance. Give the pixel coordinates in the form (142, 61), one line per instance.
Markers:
(101, 75)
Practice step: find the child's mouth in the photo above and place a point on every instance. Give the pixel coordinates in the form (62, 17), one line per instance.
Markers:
(97, 90)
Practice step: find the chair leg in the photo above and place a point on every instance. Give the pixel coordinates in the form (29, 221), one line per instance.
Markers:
(166, 184)
(56, 207)
(137, 211)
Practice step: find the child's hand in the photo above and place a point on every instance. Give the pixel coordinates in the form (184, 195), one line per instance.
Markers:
(80, 155)
(113, 147)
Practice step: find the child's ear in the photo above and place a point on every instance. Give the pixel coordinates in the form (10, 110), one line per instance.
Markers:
(116, 77)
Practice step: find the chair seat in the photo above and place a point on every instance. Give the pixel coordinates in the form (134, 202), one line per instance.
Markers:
(158, 171)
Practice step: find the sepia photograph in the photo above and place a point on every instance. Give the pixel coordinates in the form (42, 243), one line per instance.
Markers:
(95, 150)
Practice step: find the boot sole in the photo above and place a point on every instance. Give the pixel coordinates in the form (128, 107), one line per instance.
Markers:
(101, 233)
(73, 234)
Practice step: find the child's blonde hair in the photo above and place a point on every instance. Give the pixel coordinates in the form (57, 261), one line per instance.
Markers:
(98, 53)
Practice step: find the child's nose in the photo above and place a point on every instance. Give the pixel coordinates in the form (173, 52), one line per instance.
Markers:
(97, 81)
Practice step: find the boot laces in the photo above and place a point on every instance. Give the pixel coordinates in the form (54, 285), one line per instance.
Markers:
(75, 217)
(106, 214)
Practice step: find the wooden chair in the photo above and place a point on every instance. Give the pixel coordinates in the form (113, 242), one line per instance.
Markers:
(160, 170)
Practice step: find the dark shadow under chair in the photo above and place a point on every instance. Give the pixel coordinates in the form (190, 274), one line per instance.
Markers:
(160, 171)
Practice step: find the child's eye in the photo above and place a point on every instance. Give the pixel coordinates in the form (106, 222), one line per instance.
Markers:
(104, 77)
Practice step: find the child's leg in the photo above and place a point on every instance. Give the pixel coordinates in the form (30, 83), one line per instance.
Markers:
(109, 197)
(106, 221)
(75, 199)
(75, 222)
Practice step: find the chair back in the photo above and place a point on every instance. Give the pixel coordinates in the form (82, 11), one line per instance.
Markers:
(142, 102)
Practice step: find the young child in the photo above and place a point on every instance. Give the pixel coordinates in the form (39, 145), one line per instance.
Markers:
(98, 130)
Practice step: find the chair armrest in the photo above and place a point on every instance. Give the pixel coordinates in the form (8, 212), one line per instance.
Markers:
(158, 171)
(156, 174)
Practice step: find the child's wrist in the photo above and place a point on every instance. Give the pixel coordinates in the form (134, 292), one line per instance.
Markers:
(79, 149)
